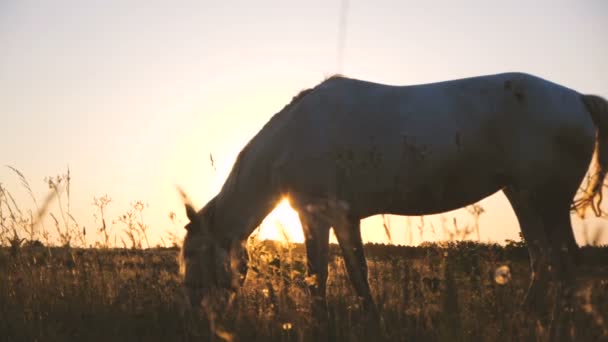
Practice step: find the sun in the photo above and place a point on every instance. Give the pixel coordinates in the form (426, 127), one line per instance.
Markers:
(282, 224)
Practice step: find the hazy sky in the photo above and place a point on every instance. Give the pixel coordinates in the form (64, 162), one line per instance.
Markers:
(135, 95)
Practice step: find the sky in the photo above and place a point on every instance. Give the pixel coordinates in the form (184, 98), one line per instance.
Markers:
(133, 96)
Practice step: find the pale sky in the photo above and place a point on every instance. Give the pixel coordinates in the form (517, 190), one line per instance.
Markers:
(135, 95)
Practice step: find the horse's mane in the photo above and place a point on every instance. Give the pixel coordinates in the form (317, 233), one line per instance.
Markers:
(294, 100)
(232, 179)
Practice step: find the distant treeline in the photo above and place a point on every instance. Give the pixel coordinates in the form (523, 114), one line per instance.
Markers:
(516, 251)
(511, 251)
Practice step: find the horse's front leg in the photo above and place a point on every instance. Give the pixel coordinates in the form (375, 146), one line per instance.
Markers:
(316, 233)
(348, 233)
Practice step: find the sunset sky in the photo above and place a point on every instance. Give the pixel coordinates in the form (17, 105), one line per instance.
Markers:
(134, 96)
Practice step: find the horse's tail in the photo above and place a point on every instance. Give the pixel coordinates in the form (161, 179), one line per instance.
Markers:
(592, 195)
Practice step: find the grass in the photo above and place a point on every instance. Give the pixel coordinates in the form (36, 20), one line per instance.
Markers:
(431, 293)
(57, 291)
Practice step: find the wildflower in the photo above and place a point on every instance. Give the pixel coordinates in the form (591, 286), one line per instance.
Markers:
(311, 280)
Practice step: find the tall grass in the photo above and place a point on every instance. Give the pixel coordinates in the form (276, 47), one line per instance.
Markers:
(21, 224)
(59, 291)
(433, 293)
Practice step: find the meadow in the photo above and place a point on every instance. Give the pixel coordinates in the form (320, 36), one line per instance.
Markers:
(444, 292)
(452, 291)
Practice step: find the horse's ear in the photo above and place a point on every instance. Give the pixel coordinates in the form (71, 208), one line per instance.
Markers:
(202, 220)
(192, 216)
(190, 211)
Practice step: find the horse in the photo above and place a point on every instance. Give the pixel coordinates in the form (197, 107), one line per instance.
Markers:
(347, 149)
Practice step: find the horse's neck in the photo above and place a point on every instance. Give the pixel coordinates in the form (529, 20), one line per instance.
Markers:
(239, 211)
(248, 194)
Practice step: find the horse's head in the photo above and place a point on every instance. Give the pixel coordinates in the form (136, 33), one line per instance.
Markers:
(210, 262)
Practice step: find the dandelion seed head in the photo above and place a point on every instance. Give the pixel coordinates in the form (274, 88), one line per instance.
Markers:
(502, 275)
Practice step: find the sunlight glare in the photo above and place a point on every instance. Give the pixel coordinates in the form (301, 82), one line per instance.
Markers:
(282, 224)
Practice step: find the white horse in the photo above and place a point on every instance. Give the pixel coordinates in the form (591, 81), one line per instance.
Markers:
(348, 149)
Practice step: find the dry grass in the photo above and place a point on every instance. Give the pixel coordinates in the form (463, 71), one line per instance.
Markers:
(434, 292)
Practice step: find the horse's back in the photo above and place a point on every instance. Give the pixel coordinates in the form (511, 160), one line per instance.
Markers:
(343, 113)
(445, 144)
(515, 89)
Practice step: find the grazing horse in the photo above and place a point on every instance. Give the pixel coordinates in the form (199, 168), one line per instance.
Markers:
(348, 149)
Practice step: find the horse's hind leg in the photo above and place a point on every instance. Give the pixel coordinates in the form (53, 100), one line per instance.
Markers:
(564, 248)
(531, 225)
(554, 209)
(558, 228)
(544, 216)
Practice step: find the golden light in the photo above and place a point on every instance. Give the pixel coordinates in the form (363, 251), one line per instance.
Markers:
(282, 224)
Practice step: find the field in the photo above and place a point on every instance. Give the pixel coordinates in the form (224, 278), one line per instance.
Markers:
(446, 292)
(56, 290)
